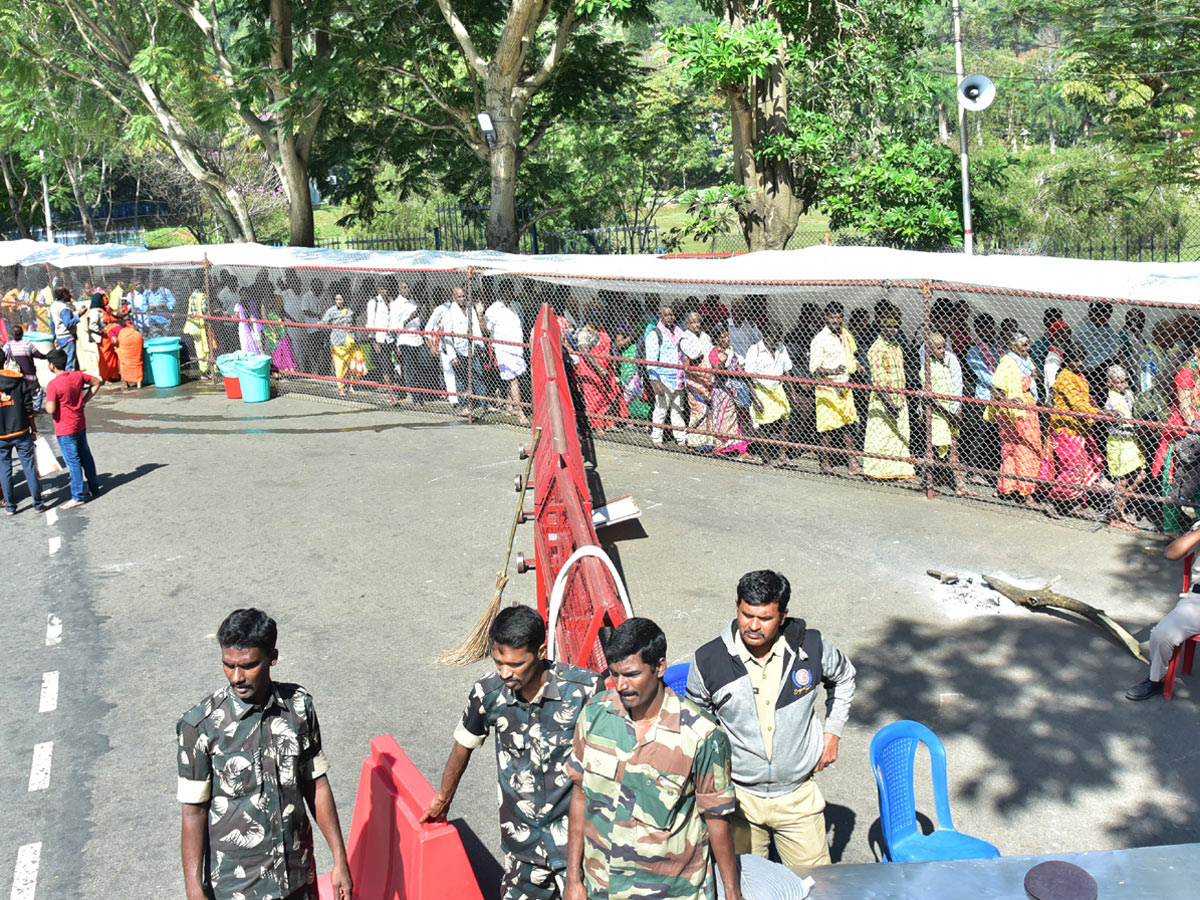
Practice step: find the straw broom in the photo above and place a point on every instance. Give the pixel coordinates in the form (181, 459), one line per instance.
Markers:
(475, 645)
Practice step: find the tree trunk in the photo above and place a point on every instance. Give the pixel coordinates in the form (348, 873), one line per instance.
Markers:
(228, 205)
(13, 204)
(85, 214)
(301, 229)
(503, 230)
(293, 139)
(1052, 144)
(770, 213)
(943, 123)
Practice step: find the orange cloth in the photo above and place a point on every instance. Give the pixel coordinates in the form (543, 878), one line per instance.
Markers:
(129, 352)
(110, 366)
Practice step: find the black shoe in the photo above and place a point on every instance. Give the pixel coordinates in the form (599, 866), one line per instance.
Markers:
(1144, 691)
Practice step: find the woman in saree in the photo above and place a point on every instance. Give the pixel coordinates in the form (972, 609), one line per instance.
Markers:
(694, 347)
(275, 340)
(110, 364)
(196, 329)
(601, 394)
(249, 325)
(1183, 414)
(722, 405)
(633, 388)
(1020, 429)
(1075, 457)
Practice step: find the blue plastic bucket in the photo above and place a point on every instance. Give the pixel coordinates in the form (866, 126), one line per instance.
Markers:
(164, 360)
(255, 376)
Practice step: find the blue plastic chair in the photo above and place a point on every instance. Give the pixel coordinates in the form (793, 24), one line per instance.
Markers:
(893, 750)
(676, 677)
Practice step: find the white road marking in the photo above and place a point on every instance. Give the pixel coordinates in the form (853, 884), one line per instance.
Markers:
(25, 876)
(55, 544)
(52, 516)
(49, 701)
(39, 772)
(54, 629)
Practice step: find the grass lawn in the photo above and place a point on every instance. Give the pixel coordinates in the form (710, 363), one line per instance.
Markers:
(809, 230)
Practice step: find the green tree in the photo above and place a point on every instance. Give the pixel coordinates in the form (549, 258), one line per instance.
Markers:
(1131, 66)
(439, 64)
(807, 85)
(653, 138)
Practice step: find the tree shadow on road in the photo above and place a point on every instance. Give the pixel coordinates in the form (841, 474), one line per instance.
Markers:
(1044, 700)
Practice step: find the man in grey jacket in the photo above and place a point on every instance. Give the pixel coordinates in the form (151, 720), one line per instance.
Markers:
(759, 678)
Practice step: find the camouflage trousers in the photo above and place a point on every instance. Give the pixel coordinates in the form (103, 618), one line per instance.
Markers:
(528, 881)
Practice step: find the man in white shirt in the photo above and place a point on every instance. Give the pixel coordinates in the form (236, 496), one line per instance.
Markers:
(405, 322)
(441, 348)
(773, 399)
(383, 358)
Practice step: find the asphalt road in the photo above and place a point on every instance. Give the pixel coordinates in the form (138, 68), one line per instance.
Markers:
(373, 537)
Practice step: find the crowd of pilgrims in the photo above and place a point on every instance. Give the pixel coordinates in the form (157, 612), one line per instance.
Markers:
(1068, 426)
(713, 374)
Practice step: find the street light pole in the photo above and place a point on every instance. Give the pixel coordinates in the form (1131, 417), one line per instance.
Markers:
(960, 71)
(46, 197)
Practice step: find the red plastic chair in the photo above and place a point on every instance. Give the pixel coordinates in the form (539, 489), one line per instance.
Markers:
(1188, 648)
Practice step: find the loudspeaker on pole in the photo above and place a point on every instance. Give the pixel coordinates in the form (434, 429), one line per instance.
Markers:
(976, 92)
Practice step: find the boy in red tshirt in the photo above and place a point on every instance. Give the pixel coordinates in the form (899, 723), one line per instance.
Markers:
(66, 396)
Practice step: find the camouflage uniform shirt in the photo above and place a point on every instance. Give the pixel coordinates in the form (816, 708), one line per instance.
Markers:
(533, 744)
(249, 764)
(644, 834)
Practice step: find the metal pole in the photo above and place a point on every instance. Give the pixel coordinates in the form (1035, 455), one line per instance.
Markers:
(46, 198)
(968, 235)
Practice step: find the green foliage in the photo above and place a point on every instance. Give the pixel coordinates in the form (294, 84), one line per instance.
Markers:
(1131, 70)
(624, 164)
(905, 197)
(1088, 195)
(711, 212)
(717, 53)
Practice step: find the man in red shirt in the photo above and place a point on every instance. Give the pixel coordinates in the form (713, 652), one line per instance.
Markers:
(66, 395)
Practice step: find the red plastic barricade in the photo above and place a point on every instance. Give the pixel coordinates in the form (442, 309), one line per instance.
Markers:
(563, 508)
(393, 856)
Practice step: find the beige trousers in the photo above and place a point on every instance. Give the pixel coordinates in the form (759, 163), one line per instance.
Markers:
(795, 820)
(1174, 628)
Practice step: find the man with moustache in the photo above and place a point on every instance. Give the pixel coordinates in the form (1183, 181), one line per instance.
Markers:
(649, 812)
(250, 761)
(759, 678)
(532, 705)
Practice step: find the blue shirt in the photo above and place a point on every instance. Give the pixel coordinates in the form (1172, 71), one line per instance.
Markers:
(983, 374)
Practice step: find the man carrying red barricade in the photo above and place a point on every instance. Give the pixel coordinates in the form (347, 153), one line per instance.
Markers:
(532, 705)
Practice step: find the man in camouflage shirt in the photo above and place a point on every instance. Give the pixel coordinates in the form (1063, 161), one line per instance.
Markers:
(652, 787)
(250, 759)
(532, 706)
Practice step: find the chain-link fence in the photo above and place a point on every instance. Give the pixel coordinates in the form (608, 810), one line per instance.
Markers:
(1066, 405)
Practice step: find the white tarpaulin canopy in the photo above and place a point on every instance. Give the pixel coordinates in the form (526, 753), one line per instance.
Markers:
(1162, 282)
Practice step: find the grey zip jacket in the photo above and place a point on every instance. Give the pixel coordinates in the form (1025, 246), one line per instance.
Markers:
(719, 683)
